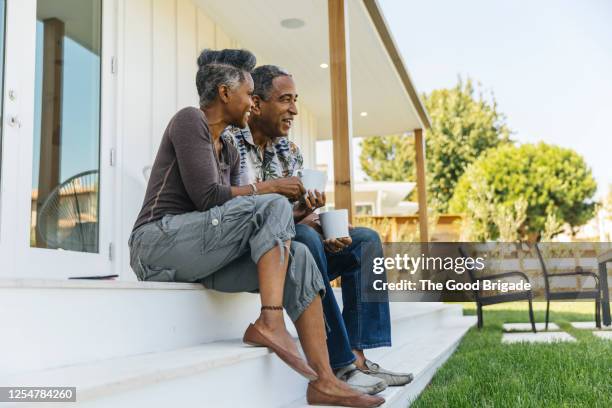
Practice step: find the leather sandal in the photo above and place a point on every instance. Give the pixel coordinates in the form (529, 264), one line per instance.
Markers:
(254, 337)
(315, 396)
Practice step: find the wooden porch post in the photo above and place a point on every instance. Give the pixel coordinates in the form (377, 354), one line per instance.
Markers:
(342, 127)
(419, 147)
(51, 115)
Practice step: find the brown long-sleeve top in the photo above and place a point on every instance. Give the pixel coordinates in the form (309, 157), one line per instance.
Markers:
(186, 175)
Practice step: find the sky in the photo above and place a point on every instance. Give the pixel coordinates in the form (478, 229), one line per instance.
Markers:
(547, 62)
(80, 111)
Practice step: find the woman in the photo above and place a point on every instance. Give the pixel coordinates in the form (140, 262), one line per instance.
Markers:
(197, 225)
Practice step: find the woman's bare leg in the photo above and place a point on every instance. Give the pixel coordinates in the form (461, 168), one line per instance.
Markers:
(310, 325)
(271, 273)
(311, 329)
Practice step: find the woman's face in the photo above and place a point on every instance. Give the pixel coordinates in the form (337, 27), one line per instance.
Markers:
(240, 102)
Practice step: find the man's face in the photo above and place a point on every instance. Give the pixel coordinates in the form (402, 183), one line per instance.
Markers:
(275, 115)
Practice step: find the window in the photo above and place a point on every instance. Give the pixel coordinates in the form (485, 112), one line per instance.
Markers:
(66, 162)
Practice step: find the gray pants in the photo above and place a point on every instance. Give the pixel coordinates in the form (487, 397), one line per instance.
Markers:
(221, 247)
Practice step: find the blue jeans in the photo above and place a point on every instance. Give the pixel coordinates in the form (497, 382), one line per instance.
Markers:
(361, 325)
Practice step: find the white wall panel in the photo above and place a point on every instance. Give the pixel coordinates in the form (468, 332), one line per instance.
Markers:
(312, 141)
(135, 140)
(296, 130)
(222, 40)
(206, 31)
(304, 134)
(186, 57)
(164, 67)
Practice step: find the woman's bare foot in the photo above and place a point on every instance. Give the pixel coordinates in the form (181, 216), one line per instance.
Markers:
(331, 391)
(274, 328)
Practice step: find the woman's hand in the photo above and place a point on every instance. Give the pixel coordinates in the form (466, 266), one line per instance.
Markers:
(335, 245)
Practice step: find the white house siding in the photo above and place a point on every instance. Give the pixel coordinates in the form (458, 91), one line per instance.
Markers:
(158, 44)
(304, 133)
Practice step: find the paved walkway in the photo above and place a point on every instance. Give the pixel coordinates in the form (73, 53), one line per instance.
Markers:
(541, 337)
(524, 327)
(521, 332)
(588, 326)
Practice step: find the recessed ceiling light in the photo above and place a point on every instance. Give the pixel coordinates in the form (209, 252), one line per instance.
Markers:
(292, 23)
(364, 114)
(324, 65)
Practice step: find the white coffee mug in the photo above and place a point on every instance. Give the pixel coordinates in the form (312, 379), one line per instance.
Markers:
(314, 179)
(335, 224)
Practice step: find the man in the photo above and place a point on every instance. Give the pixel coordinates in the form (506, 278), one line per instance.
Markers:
(266, 153)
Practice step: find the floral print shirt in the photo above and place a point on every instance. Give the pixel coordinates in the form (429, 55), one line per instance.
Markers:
(279, 158)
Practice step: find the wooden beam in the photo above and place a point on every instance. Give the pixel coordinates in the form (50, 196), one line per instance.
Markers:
(393, 51)
(51, 113)
(419, 147)
(342, 127)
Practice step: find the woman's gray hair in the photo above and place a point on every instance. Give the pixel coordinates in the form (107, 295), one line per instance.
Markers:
(263, 77)
(225, 67)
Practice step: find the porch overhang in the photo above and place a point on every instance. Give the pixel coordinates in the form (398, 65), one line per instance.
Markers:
(380, 83)
(348, 70)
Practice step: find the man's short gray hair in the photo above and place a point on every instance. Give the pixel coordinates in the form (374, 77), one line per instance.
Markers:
(263, 77)
(225, 67)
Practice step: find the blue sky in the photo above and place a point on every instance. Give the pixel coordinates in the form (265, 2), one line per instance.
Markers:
(80, 109)
(548, 62)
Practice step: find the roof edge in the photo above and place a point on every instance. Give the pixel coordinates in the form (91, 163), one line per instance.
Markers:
(385, 35)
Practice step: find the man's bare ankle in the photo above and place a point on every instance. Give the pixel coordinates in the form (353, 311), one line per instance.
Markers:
(359, 359)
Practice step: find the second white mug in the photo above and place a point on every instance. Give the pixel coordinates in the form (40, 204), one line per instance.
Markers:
(335, 223)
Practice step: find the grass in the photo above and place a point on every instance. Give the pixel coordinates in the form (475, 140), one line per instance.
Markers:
(485, 373)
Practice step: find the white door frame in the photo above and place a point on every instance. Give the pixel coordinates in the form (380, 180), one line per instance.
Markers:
(17, 258)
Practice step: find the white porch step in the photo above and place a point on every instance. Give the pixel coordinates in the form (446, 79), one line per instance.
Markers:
(230, 374)
(201, 376)
(421, 356)
(82, 321)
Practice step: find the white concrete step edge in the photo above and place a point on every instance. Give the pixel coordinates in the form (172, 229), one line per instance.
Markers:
(405, 311)
(123, 318)
(422, 357)
(83, 321)
(408, 315)
(449, 339)
(94, 284)
(115, 375)
(99, 376)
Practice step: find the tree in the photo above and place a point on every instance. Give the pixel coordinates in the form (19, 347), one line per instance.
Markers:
(607, 205)
(552, 180)
(464, 125)
(388, 158)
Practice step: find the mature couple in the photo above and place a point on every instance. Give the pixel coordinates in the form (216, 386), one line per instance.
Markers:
(224, 207)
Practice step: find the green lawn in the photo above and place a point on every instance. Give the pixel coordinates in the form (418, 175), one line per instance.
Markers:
(485, 373)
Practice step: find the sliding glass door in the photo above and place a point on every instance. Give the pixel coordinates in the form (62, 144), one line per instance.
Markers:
(63, 216)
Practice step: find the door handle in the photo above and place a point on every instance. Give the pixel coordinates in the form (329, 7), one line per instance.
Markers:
(13, 121)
